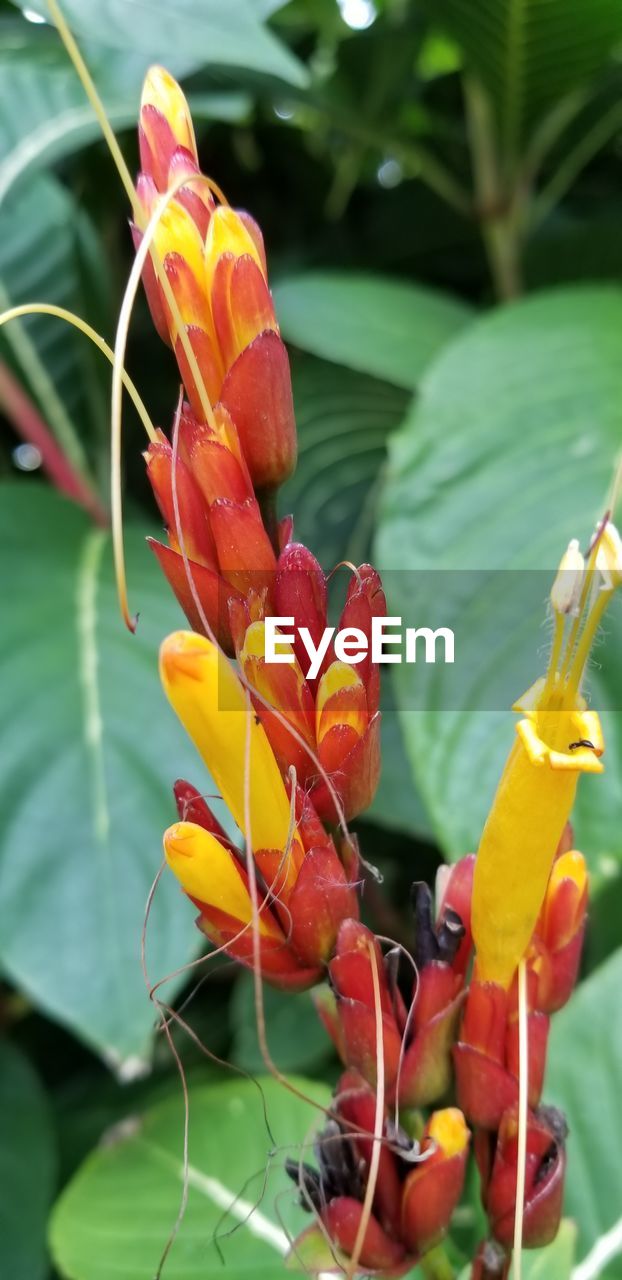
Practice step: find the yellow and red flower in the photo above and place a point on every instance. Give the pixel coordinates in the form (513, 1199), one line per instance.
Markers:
(215, 263)
(303, 890)
(335, 716)
(545, 1169)
(417, 1035)
(416, 1192)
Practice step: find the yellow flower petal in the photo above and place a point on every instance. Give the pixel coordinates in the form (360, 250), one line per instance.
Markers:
(160, 90)
(206, 870)
(212, 705)
(529, 812)
(227, 234)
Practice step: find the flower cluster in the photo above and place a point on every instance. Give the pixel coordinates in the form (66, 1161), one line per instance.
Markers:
(430, 1041)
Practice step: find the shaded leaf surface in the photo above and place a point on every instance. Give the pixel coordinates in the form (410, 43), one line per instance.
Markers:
(583, 1078)
(117, 1212)
(508, 453)
(88, 754)
(27, 1168)
(388, 328)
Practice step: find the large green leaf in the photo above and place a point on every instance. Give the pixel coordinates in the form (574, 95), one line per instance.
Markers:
(388, 328)
(116, 1214)
(27, 1168)
(88, 755)
(507, 455)
(212, 33)
(583, 1077)
(529, 53)
(44, 114)
(344, 423)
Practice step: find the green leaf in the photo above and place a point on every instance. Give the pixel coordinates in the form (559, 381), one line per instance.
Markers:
(344, 423)
(583, 1077)
(296, 1037)
(44, 114)
(42, 237)
(116, 1214)
(508, 454)
(230, 35)
(388, 328)
(88, 758)
(27, 1168)
(529, 54)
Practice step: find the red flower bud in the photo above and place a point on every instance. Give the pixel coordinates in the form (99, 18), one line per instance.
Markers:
(544, 1176)
(454, 892)
(486, 1055)
(433, 1189)
(561, 931)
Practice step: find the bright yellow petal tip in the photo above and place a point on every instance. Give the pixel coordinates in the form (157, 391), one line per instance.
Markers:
(161, 90)
(206, 870)
(448, 1130)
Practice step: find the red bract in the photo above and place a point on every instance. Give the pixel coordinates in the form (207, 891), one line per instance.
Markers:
(560, 932)
(299, 914)
(486, 1055)
(335, 712)
(229, 555)
(223, 328)
(418, 1033)
(416, 1190)
(544, 1175)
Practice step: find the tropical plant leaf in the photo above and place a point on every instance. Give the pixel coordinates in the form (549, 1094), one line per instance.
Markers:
(388, 328)
(583, 1077)
(344, 422)
(211, 33)
(42, 236)
(88, 755)
(508, 453)
(27, 1168)
(44, 114)
(241, 1205)
(529, 54)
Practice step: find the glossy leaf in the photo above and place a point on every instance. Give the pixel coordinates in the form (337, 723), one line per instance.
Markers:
(583, 1077)
(27, 1168)
(388, 328)
(89, 753)
(116, 1214)
(212, 33)
(508, 453)
(44, 114)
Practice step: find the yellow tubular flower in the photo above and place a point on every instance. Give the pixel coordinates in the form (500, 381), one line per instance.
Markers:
(557, 740)
(208, 873)
(212, 705)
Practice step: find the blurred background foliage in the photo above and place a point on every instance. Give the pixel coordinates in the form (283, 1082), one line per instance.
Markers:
(438, 182)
